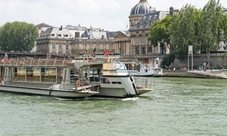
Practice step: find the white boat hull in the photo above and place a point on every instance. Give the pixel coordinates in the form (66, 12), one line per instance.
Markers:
(120, 87)
(47, 92)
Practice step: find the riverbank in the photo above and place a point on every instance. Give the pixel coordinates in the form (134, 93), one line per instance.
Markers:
(216, 74)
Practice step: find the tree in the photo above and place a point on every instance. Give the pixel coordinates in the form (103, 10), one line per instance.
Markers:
(209, 27)
(18, 36)
(159, 31)
(222, 29)
(183, 31)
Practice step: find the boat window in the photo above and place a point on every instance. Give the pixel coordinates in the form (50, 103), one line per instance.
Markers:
(29, 74)
(21, 73)
(36, 74)
(105, 81)
(73, 76)
(59, 75)
(50, 75)
(116, 83)
(15, 74)
(120, 68)
(42, 74)
(6, 74)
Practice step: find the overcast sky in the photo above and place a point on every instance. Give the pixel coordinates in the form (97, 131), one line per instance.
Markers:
(107, 14)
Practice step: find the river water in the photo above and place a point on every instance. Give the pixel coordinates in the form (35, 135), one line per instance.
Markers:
(177, 107)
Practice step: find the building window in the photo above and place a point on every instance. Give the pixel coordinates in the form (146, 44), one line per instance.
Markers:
(98, 46)
(137, 50)
(143, 50)
(60, 46)
(53, 46)
(67, 46)
(90, 46)
(150, 50)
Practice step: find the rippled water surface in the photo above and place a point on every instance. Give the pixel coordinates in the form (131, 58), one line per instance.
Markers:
(177, 107)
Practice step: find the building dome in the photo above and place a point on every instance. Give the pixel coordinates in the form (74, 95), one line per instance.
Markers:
(142, 8)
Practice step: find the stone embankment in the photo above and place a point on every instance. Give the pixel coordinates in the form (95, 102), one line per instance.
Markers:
(220, 74)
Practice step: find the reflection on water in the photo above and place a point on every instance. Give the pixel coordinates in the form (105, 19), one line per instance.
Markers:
(177, 106)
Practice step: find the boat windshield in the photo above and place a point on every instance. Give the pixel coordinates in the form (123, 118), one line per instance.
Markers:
(121, 68)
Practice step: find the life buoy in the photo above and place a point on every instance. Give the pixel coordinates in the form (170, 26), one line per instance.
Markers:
(6, 61)
(78, 83)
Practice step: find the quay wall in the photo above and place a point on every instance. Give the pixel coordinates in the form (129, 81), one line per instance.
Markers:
(215, 74)
(216, 59)
(178, 73)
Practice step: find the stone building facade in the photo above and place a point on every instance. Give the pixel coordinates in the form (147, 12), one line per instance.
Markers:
(74, 42)
(122, 43)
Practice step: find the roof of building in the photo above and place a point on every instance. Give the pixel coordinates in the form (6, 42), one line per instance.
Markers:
(78, 28)
(149, 18)
(142, 8)
(125, 33)
(54, 32)
(43, 25)
(94, 34)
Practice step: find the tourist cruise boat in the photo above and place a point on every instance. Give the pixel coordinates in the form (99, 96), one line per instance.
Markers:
(68, 78)
(48, 77)
(110, 77)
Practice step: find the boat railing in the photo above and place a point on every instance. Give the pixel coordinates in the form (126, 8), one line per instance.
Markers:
(96, 59)
(143, 82)
(68, 86)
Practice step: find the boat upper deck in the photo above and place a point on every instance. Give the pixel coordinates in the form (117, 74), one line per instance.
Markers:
(55, 62)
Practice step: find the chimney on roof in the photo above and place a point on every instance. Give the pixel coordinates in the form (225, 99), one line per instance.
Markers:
(77, 34)
(60, 28)
(171, 10)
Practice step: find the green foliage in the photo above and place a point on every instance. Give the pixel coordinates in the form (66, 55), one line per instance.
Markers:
(183, 31)
(159, 31)
(222, 29)
(209, 25)
(203, 28)
(18, 36)
(94, 50)
(168, 60)
(225, 55)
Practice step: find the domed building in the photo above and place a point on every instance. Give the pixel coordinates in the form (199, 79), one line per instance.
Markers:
(141, 18)
(135, 41)
(138, 11)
